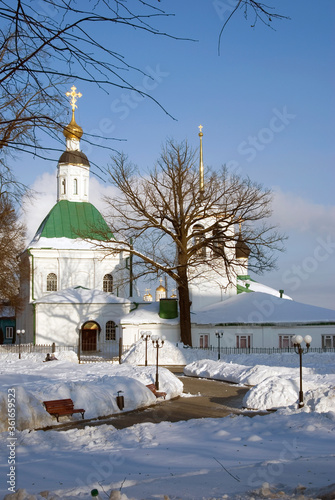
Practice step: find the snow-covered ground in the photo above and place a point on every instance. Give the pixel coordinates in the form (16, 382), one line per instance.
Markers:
(285, 454)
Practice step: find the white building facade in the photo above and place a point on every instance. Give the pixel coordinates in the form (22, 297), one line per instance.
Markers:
(70, 287)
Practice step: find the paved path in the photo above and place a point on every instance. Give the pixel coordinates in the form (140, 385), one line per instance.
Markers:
(202, 399)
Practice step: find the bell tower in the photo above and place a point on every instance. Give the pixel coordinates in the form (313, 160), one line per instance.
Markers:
(73, 165)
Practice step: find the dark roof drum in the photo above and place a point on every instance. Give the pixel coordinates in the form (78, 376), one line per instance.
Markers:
(74, 158)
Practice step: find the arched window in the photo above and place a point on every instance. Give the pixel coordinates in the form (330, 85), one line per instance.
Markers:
(198, 237)
(107, 284)
(110, 330)
(63, 184)
(218, 240)
(51, 282)
(75, 186)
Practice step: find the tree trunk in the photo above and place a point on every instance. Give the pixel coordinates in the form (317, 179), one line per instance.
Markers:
(185, 315)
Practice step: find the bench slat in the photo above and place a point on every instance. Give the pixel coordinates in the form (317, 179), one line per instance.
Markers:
(153, 389)
(58, 407)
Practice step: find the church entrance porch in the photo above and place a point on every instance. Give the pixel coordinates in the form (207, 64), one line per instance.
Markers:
(89, 336)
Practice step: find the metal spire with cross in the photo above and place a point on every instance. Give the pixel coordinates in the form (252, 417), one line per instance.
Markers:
(73, 131)
(201, 166)
(74, 97)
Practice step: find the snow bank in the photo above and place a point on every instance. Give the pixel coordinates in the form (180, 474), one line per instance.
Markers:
(169, 354)
(93, 387)
(276, 386)
(285, 454)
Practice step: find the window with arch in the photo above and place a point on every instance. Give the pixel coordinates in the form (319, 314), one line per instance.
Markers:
(218, 240)
(110, 330)
(75, 186)
(63, 186)
(107, 284)
(51, 282)
(198, 237)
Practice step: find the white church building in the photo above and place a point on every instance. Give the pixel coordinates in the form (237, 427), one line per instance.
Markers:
(76, 292)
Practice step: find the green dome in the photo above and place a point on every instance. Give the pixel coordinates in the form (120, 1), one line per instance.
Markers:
(69, 219)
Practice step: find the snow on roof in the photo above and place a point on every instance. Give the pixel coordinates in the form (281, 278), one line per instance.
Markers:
(147, 312)
(261, 308)
(67, 244)
(244, 308)
(254, 286)
(81, 295)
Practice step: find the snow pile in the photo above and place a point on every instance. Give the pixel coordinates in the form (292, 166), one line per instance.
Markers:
(92, 387)
(37, 357)
(276, 386)
(169, 354)
(277, 456)
(285, 454)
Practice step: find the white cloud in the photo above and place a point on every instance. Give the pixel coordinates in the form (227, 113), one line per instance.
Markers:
(293, 212)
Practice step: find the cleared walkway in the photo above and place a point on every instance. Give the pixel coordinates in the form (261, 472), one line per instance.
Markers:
(202, 398)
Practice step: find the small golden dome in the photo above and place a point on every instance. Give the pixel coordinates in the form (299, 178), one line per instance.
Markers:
(72, 130)
(160, 289)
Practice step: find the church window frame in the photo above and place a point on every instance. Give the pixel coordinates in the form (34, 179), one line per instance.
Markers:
(328, 341)
(51, 282)
(108, 283)
(110, 330)
(198, 237)
(204, 341)
(244, 341)
(75, 186)
(63, 186)
(285, 341)
(218, 240)
(9, 332)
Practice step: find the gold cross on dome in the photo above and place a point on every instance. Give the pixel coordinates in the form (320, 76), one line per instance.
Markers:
(74, 97)
(200, 128)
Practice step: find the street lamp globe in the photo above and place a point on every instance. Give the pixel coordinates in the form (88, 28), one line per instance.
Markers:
(308, 339)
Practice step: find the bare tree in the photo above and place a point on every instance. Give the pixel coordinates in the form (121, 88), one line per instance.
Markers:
(47, 43)
(258, 11)
(11, 244)
(173, 227)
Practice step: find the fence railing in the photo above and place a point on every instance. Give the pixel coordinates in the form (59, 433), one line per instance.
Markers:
(32, 348)
(113, 350)
(258, 350)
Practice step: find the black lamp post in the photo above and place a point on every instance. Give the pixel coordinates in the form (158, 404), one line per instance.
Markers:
(157, 343)
(219, 335)
(19, 333)
(297, 339)
(146, 336)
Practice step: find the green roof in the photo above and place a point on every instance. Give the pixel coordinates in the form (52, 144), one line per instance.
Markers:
(70, 219)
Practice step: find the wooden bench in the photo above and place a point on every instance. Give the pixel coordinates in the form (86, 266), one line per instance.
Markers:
(152, 388)
(59, 407)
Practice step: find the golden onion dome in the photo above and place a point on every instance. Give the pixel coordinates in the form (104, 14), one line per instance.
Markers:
(72, 130)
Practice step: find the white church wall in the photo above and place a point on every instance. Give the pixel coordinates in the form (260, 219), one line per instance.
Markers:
(72, 268)
(132, 333)
(60, 323)
(207, 292)
(257, 336)
(72, 182)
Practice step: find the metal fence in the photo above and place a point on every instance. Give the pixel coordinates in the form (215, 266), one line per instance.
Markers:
(32, 348)
(112, 351)
(258, 350)
(94, 353)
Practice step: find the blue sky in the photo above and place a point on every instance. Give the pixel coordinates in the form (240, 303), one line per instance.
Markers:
(267, 107)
